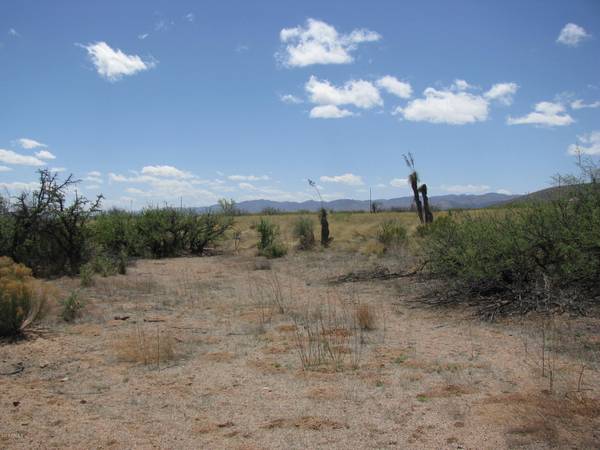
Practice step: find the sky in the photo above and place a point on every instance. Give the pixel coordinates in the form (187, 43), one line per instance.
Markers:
(150, 101)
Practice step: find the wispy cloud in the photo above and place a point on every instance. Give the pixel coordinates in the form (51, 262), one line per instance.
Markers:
(348, 178)
(394, 86)
(587, 144)
(248, 177)
(113, 64)
(290, 99)
(30, 143)
(466, 188)
(580, 104)
(10, 157)
(45, 154)
(320, 43)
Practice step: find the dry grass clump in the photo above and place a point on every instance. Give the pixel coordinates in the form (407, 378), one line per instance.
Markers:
(328, 334)
(365, 317)
(145, 346)
(22, 297)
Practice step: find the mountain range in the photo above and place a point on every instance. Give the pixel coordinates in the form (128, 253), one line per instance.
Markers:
(443, 202)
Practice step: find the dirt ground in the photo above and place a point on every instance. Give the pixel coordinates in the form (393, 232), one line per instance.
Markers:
(214, 353)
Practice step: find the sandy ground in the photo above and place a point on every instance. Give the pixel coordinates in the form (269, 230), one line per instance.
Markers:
(229, 374)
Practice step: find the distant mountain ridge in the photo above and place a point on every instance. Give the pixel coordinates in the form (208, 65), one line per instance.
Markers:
(450, 201)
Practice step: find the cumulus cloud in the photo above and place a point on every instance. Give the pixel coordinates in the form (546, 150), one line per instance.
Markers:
(10, 157)
(446, 106)
(502, 92)
(399, 182)
(248, 177)
(545, 113)
(94, 177)
(348, 178)
(466, 188)
(45, 154)
(572, 35)
(290, 99)
(394, 86)
(587, 144)
(165, 171)
(580, 104)
(360, 93)
(329, 112)
(30, 143)
(320, 43)
(114, 64)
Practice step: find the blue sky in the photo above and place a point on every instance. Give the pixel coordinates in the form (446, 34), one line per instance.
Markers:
(147, 101)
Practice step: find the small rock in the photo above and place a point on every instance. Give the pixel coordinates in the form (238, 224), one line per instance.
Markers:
(17, 403)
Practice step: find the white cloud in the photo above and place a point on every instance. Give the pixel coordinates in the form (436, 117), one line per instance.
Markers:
(580, 104)
(329, 112)
(45, 154)
(466, 188)
(347, 178)
(92, 187)
(446, 106)
(248, 177)
(460, 85)
(247, 186)
(399, 182)
(190, 17)
(502, 92)
(10, 157)
(30, 143)
(545, 113)
(94, 177)
(13, 32)
(20, 186)
(395, 86)
(360, 93)
(572, 35)
(113, 64)
(165, 171)
(320, 43)
(58, 169)
(5, 169)
(503, 191)
(290, 99)
(143, 36)
(588, 144)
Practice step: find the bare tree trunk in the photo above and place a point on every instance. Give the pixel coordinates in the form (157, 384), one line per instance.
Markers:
(412, 178)
(428, 213)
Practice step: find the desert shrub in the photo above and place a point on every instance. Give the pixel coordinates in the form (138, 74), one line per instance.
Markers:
(71, 307)
(535, 256)
(202, 230)
(116, 232)
(86, 275)
(162, 231)
(303, 230)
(391, 233)
(269, 244)
(48, 232)
(22, 298)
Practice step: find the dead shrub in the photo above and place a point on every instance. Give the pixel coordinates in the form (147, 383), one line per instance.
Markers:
(365, 316)
(145, 346)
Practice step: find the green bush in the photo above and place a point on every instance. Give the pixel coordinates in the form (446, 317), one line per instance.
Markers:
(268, 244)
(71, 307)
(303, 230)
(116, 232)
(86, 275)
(533, 255)
(22, 298)
(391, 233)
(47, 232)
